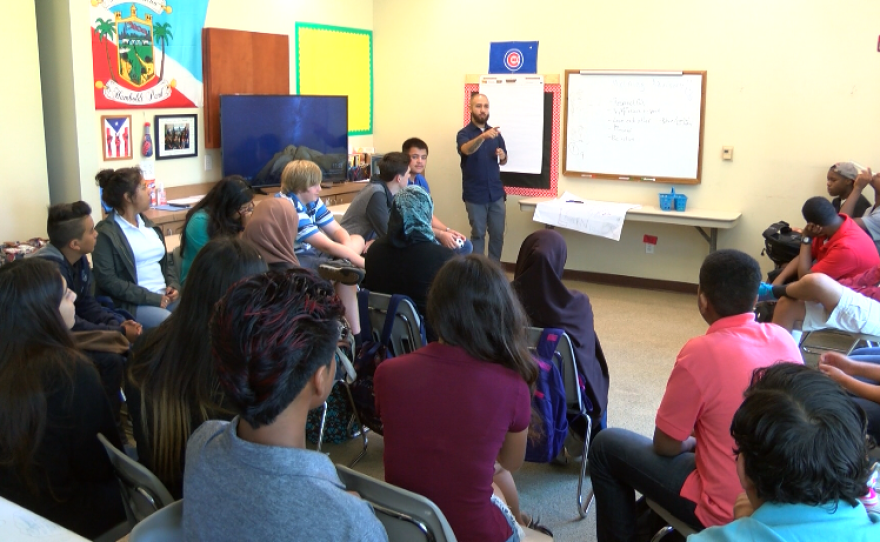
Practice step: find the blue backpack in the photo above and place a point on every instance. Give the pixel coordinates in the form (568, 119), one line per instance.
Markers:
(548, 401)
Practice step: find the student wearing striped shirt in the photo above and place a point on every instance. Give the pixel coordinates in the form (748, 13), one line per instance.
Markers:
(320, 241)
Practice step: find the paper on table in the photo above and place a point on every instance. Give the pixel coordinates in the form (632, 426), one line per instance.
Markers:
(516, 107)
(600, 218)
(192, 200)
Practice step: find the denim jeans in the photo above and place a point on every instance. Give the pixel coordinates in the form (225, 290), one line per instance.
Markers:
(623, 462)
(150, 316)
(489, 217)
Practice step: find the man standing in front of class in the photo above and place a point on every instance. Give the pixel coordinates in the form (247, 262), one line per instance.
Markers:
(482, 150)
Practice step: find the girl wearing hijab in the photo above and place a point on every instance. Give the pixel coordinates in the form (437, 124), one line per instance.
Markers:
(548, 303)
(406, 259)
(272, 229)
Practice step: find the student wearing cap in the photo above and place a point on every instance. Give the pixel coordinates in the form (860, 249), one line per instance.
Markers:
(841, 184)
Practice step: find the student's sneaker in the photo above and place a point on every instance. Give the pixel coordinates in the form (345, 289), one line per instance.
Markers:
(341, 271)
(765, 292)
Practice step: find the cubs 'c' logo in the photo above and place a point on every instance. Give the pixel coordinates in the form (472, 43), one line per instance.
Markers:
(513, 60)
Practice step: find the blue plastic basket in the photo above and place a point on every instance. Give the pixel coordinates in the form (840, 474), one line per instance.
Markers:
(681, 202)
(666, 201)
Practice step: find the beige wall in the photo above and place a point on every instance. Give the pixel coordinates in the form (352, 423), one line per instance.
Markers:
(793, 86)
(24, 189)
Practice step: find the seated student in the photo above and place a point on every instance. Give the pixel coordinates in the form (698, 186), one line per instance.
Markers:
(688, 468)
(72, 237)
(51, 461)
(537, 281)
(841, 183)
(130, 260)
(860, 378)
(445, 445)
(172, 386)
(818, 301)
(273, 336)
(839, 248)
(223, 211)
(417, 151)
(320, 241)
(367, 215)
(802, 459)
(870, 219)
(272, 230)
(405, 260)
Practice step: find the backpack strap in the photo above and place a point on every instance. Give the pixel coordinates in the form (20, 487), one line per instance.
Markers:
(363, 297)
(388, 326)
(549, 341)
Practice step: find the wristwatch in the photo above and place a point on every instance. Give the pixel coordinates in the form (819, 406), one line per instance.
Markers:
(806, 240)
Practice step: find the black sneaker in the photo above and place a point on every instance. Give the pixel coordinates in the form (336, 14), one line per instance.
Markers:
(341, 272)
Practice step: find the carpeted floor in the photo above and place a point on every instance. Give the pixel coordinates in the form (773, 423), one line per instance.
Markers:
(641, 333)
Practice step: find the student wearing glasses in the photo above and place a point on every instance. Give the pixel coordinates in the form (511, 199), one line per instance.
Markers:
(225, 210)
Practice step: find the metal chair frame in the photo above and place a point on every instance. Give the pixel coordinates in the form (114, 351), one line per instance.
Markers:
(399, 510)
(138, 485)
(567, 366)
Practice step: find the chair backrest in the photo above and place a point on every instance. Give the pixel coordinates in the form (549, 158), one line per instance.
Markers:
(405, 515)
(406, 336)
(815, 343)
(567, 367)
(166, 525)
(142, 492)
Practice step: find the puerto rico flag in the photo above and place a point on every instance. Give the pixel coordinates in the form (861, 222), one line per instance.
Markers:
(147, 53)
(513, 57)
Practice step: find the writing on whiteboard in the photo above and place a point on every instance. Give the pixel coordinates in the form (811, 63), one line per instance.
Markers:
(634, 123)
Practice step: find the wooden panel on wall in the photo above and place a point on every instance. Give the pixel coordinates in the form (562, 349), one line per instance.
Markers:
(237, 62)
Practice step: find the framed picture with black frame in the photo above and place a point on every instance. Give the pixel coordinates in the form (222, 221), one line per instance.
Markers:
(176, 136)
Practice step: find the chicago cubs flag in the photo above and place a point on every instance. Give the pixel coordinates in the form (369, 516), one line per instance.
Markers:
(513, 57)
(147, 53)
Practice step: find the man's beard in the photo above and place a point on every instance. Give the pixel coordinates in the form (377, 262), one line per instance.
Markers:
(476, 120)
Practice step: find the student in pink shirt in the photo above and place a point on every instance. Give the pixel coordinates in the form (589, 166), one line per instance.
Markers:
(689, 467)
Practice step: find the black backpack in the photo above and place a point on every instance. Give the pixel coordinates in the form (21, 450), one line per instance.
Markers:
(781, 244)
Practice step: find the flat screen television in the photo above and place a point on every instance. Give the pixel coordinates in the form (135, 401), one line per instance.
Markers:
(260, 134)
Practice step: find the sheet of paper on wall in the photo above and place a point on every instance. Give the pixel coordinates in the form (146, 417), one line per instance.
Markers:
(600, 218)
(148, 169)
(516, 108)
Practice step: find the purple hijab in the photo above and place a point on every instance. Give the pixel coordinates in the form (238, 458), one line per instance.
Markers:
(548, 303)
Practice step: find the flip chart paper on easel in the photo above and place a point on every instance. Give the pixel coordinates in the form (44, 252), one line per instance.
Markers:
(516, 107)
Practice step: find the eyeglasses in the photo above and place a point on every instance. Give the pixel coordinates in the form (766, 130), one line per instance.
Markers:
(246, 209)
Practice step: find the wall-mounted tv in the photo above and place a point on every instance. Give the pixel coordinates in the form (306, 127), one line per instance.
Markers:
(260, 134)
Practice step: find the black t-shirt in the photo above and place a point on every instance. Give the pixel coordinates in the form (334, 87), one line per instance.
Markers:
(76, 486)
(861, 206)
(408, 271)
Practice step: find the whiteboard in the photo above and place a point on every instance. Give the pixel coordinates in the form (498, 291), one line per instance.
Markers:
(634, 125)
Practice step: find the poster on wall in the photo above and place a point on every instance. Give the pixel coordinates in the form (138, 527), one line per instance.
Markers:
(116, 137)
(147, 53)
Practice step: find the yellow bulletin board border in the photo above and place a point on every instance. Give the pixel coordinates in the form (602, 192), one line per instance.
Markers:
(360, 119)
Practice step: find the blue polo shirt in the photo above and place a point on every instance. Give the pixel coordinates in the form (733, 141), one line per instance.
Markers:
(774, 522)
(419, 180)
(480, 174)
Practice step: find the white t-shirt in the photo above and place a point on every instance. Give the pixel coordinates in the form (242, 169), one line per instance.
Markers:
(148, 250)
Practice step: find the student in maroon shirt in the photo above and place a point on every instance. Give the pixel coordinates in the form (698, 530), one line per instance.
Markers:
(454, 408)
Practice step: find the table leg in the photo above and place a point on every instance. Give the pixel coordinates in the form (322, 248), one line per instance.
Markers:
(711, 237)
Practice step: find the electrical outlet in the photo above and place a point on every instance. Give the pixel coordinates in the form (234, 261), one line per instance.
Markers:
(209, 162)
(649, 248)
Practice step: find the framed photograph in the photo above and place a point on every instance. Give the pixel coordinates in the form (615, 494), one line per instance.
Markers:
(116, 137)
(176, 136)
